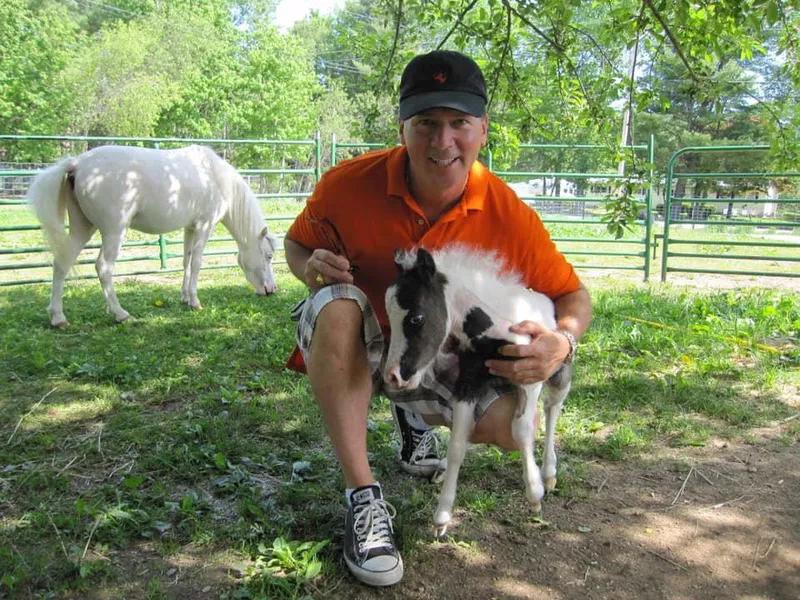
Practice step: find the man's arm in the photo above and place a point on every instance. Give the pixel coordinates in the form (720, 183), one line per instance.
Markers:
(308, 265)
(541, 358)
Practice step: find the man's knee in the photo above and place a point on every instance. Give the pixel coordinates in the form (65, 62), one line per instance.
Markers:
(494, 427)
(337, 333)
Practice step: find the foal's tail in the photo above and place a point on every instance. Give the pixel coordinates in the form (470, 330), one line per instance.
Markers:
(48, 195)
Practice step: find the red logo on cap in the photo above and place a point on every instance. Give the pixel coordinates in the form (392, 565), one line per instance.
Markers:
(440, 77)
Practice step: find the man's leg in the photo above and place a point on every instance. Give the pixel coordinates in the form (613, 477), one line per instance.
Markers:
(494, 427)
(341, 380)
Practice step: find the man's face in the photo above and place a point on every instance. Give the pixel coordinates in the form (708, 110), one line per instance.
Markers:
(442, 144)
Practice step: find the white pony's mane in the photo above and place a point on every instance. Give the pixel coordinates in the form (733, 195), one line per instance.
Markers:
(244, 215)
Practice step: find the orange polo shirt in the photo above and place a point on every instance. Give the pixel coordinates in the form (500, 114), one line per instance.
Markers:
(368, 203)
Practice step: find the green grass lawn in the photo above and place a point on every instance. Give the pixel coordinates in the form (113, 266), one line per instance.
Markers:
(183, 429)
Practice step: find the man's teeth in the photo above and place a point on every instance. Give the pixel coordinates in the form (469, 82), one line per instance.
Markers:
(444, 163)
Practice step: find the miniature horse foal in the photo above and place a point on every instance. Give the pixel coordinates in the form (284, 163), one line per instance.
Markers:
(450, 312)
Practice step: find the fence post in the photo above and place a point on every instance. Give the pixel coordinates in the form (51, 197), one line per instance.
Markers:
(333, 149)
(317, 156)
(648, 212)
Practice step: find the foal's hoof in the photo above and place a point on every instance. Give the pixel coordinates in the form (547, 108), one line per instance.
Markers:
(441, 530)
(439, 475)
(196, 306)
(122, 317)
(59, 324)
(550, 483)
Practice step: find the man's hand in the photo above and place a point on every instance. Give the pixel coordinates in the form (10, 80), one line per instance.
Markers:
(324, 267)
(535, 361)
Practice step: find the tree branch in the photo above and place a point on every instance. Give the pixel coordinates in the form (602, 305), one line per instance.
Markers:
(502, 57)
(671, 37)
(457, 23)
(538, 31)
(394, 42)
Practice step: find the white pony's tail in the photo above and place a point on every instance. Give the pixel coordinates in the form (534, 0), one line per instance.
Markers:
(48, 196)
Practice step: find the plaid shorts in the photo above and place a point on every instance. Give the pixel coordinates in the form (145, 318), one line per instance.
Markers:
(434, 395)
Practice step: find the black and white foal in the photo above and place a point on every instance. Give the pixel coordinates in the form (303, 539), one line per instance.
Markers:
(449, 312)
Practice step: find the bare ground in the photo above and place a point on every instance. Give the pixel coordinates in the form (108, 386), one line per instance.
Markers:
(721, 521)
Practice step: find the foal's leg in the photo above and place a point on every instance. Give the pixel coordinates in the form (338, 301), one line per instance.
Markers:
(557, 389)
(199, 238)
(522, 430)
(109, 250)
(188, 235)
(80, 230)
(463, 423)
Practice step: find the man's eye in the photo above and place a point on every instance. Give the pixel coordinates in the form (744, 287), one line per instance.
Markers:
(417, 319)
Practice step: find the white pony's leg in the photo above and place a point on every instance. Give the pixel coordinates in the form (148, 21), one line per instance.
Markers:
(80, 230)
(188, 235)
(199, 239)
(463, 423)
(522, 430)
(107, 257)
(554, 400)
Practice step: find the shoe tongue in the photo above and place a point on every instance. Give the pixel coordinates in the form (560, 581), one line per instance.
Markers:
(365, 494)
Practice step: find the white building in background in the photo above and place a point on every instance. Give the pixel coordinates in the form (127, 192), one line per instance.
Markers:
(545, 187)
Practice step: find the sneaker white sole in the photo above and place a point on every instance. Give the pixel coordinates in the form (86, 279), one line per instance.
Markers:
(376, 578)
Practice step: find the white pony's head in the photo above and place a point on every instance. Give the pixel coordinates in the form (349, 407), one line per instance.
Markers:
(257, 265)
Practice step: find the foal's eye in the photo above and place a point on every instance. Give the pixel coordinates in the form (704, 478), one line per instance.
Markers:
(417, 319)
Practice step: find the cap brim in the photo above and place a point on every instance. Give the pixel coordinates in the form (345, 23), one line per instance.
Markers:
(472, 104)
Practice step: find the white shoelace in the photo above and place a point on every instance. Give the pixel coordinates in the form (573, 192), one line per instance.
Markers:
(428, 442)
(372, 522)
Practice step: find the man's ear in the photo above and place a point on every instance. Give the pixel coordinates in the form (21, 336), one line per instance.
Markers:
(484, 129)
(402, 135)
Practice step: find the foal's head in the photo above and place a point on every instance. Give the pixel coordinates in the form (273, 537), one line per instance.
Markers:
(418, 316)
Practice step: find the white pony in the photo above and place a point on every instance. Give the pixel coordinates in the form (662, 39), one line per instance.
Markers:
(449, 312)
(113, 188)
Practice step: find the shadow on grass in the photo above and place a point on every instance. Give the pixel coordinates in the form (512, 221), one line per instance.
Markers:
(181, 427)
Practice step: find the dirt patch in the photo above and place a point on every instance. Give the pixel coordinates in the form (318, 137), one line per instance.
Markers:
(715, 522)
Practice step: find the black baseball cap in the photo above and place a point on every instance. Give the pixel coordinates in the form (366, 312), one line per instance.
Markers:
(442, 79)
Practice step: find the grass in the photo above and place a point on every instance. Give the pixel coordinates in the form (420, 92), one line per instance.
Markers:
(181, 432)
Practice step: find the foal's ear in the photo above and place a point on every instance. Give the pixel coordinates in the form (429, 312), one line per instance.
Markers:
(264, 232)
(425, 264)
(403, 260)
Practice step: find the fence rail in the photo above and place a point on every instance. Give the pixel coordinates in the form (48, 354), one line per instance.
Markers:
(554, 210)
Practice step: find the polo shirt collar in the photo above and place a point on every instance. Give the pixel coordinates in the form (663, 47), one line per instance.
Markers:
(474, 195)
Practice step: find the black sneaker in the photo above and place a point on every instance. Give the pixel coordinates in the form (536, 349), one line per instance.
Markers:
(369, 549)
(419, 453)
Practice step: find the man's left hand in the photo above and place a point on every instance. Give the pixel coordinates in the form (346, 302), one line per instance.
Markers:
(535, 361)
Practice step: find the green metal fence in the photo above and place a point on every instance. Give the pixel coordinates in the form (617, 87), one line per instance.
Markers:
(558, 211)
(552, 210)
(18, 256)
(586, 210)
(721, 240)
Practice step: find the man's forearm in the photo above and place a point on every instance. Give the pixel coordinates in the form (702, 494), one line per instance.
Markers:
(296, 257)
(574, 312)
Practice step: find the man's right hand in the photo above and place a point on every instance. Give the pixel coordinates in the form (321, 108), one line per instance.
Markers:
(324, 267)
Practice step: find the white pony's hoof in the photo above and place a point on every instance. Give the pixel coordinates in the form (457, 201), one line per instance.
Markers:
(441, 530)
(62, 324)
(123, 316)
(196, 306)
(550, 483)
(536, 506)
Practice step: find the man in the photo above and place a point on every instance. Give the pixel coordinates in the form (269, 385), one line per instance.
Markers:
(429, 191)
